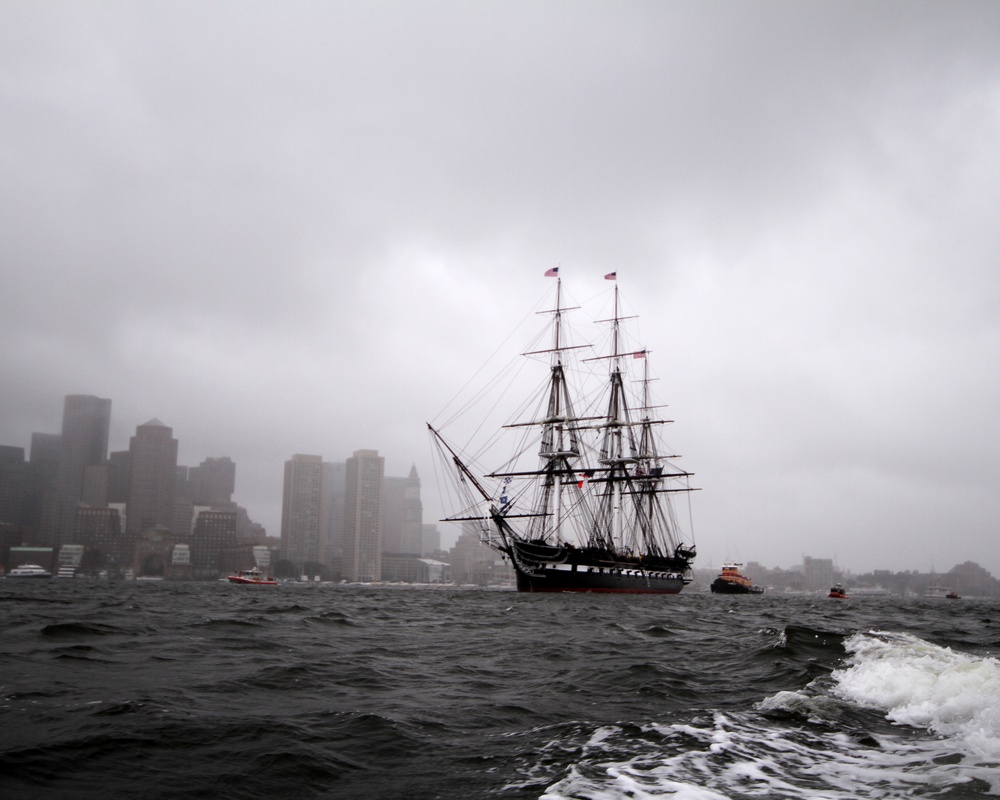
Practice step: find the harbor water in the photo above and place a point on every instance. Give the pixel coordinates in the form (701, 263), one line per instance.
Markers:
(186, 690)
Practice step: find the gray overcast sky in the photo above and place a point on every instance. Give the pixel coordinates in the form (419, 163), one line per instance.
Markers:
(299, 227)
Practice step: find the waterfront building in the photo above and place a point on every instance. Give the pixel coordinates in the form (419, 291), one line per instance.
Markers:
(118, 473)
(303, 510)
(333, 523)
(818, 574)
(95, 485)
(43, 466)
(15, 484)
(430, 539)
(105, 543)
(402, 515)
(84, 442)
(413, 514)
(363, 516)
(408, 569)
(213, 482)
(152, 471)
(214, 533)
(472, 562)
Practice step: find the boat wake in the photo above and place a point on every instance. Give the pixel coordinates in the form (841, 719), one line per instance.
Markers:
(903, 717)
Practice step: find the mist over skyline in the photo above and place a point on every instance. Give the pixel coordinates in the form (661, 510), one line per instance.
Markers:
(299, 228)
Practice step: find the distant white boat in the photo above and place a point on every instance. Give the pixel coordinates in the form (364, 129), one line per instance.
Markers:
(29, 571)
(66, 571)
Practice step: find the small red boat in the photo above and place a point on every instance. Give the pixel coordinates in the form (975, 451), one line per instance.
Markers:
(252, 577)
(838, 592)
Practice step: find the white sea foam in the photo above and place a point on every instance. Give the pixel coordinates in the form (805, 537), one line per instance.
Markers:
(735, 756)
(952, 696)
(917, 683)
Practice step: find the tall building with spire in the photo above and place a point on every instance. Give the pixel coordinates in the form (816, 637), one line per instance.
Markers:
(363, 516)
(152, 471)
(303, 509)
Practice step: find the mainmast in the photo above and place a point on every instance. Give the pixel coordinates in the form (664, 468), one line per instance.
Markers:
(617, 448)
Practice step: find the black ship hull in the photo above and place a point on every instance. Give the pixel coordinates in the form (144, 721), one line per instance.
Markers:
(555, 580)
(560, 568)
(721, 586)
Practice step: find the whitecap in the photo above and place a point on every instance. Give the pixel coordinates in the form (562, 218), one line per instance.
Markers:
(946, 703)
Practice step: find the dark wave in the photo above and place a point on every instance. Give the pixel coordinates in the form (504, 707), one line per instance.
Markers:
(76, 630)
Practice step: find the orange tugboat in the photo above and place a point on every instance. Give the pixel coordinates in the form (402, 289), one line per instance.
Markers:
(252, 577)
(732, 581)
(838, 592)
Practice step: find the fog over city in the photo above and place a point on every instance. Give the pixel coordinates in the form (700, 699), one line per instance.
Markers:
(300, 227)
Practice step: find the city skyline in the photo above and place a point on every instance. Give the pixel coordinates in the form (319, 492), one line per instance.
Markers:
(114, 448)
(450, 533)
(71, 489)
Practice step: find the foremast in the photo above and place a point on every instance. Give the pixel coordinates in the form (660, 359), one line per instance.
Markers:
(557, 512)
(558, 501)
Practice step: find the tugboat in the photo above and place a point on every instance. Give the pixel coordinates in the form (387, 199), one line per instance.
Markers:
(732, 581)
(838, 592)
(583, 499)
(252, 576)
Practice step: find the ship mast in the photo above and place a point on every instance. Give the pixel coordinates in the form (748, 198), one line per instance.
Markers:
(655, 523)
(560, 444)
(617, 450)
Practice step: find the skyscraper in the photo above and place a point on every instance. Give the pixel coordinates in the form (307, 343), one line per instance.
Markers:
(214, 531)
(152, 469)
(333, 525)
(44, 467)
(363, 516)
(213, 482)
(402, 515)
(413, 514)
(303, 510)
(15, 484)
(84, 442)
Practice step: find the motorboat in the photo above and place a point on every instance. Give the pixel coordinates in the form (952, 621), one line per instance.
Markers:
(29, 571)
(252, 576)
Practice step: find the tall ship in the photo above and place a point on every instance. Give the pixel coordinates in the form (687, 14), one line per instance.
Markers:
(584, 499)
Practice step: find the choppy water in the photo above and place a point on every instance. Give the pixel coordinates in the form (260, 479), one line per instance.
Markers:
(209, 690)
